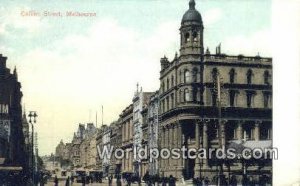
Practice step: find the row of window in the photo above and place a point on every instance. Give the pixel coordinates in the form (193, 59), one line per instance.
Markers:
(184, 77)
(248, 132)
(187, 37)
(189, 77)
(249, 98)
(185, 95)
(249, 76)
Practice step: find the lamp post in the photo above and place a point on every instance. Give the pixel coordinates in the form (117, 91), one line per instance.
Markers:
(32, 119)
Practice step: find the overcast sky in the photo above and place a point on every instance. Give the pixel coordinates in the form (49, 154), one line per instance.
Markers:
(71, 66)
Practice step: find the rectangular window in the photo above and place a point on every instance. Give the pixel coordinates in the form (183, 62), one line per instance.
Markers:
(213, 97)
(167, 102)
(232, 98)
(249, 99)
(266, 100)
(172, 101)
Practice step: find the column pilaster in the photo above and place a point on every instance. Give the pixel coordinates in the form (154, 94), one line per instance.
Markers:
(257, 130)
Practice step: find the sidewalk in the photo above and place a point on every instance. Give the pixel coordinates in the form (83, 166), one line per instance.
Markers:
(105, 183)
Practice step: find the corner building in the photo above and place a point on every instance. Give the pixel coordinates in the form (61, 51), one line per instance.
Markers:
(189, 112)
(12, 142)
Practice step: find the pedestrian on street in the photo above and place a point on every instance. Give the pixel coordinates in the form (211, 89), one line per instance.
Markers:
(164, 181)
(72, 180)
(172, 181)
(83, 180)
(68, 181)
(119, 181)
(55, 181)
(110, 180)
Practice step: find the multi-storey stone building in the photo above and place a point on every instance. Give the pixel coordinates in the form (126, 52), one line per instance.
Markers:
(75, 152)
(12, 145)
(139, 100)
(106, 134)
(145, 143)
(153, 129)
(126, 124)
(116, 143)
(27, 139)
(59, 150)
(93, 154)
(196, 113)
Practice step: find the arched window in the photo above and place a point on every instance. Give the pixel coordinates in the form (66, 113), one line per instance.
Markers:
(232, 75)
(162, 86)
(232, 98)
(180, 78)
(167, 102)
(195, 36)
(172, 81)
(249, 76)
(186, 95)
(187, 76)
(168, 84)
(195, 71)
(172, 101)
(180, 96)
(266, 77)
(214, 97)
(187, 37)
(195, 91)
(214, 74)
(266, 96)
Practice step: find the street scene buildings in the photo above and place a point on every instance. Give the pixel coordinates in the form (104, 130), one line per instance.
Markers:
(16, 142)
(206, 100)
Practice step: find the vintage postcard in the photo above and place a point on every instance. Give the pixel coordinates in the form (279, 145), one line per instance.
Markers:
(149, 92)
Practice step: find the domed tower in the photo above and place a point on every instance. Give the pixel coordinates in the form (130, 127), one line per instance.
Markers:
(191, 31)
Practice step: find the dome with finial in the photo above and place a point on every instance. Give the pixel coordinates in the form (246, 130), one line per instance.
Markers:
(192, 14)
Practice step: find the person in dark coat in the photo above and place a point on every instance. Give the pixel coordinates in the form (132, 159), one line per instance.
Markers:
(83, 180)
(110, 180)
(55, 181)
(129, 180)
(68, 181)
(72, 179)
(146, 178)
(172, 181)
(119, 183)
(233, 181)
(164, 181)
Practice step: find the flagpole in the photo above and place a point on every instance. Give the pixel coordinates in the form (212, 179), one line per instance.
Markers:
(102, 115)
(96, 120)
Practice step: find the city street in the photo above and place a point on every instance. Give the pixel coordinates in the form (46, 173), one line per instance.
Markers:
(104, 183)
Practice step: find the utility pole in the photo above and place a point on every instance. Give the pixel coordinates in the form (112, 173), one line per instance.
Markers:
(102, 115)
(220, 124)
(36, 151)
(96, 120)
(32, 119)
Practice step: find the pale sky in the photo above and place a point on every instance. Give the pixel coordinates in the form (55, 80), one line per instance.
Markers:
(69, 67)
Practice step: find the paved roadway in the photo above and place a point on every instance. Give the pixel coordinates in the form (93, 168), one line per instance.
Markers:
(104, 183)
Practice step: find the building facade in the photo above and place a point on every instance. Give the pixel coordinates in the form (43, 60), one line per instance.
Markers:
(12, 142)
(139, 100)
(153, 129)
(106, 161)
(211, 101)
(116, 143)
(126, 124)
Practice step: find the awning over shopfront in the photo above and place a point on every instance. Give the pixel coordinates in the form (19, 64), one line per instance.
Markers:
(2, 168)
